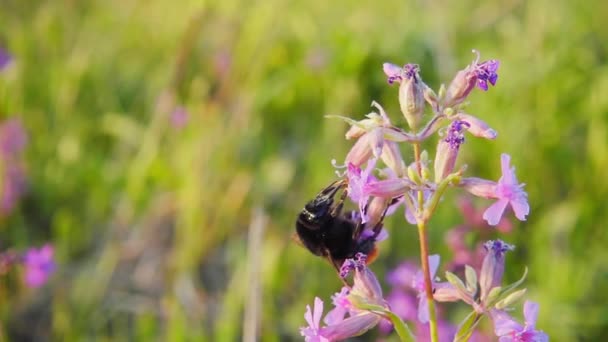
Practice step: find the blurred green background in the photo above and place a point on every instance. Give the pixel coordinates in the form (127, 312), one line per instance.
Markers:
(151, 217)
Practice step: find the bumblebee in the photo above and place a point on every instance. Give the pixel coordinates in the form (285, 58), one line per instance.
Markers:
(328, 232)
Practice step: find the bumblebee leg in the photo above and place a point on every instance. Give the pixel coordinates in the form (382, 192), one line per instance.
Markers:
(337, 209)
(359, 228)
(378, 227)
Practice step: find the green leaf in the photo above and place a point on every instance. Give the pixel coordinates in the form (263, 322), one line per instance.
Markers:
(471, 277)
(467, 327)
(510, 299)
(404, 332)
(454, 280)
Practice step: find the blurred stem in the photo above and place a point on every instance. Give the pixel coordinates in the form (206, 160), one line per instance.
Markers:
(428, 287)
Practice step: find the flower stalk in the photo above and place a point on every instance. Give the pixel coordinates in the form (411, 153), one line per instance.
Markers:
(428, 287)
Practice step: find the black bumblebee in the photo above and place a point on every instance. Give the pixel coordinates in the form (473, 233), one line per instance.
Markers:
(327, 232)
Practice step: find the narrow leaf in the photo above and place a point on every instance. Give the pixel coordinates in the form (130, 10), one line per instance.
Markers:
(471, 277)
(467, 327)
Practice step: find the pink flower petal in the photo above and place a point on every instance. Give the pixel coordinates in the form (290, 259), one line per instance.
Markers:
(521, 208)
(494, 212)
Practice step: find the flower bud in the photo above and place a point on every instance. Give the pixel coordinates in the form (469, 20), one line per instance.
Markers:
(460, 87)
(479, 187)
(447, 150)
(493, 266)
(477, 127)
(391, 155)
(375, 210)
(411, 96)
(388, 188)
(361, 151)
(412, 173)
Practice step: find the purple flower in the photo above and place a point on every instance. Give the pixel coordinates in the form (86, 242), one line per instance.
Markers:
(5, 58)
(509, 330)
(365, 290)
(476, 74)
(13, 138)
(398, 74)
(493, 266)
(486, 72)
(412, 91)
(357, 181)
(39, 265)
(507, 191)
(448, 148)
(311, 333)
(179, 117)
(377, 138)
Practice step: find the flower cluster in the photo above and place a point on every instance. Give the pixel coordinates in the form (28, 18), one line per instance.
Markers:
(380, 180)
(38, 264)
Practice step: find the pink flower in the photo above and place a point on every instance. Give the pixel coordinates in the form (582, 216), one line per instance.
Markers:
(357, 181)
(476, 74)
(39, 265)
(509, 330)
(507, 191)
(365, 289)
(179, 117)
(311, 333)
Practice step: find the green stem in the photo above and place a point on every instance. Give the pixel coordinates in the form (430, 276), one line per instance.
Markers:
(428, 285)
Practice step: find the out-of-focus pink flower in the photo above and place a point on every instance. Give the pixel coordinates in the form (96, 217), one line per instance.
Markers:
(13, 139)
(509, 330)
(39, 265)
(179, 117)
(5, 58)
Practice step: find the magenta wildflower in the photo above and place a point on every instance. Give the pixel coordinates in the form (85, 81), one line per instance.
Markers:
(448, 148)
(412, 91)
(13, 137)
(493, 266)
(365, 290)
(179, 117)
(311, 332)
(39, 265)
(507, 191)
(377, 138)
(357, 181)
(486, 72)
(476, 74)
(398, 74)
(509, 330)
